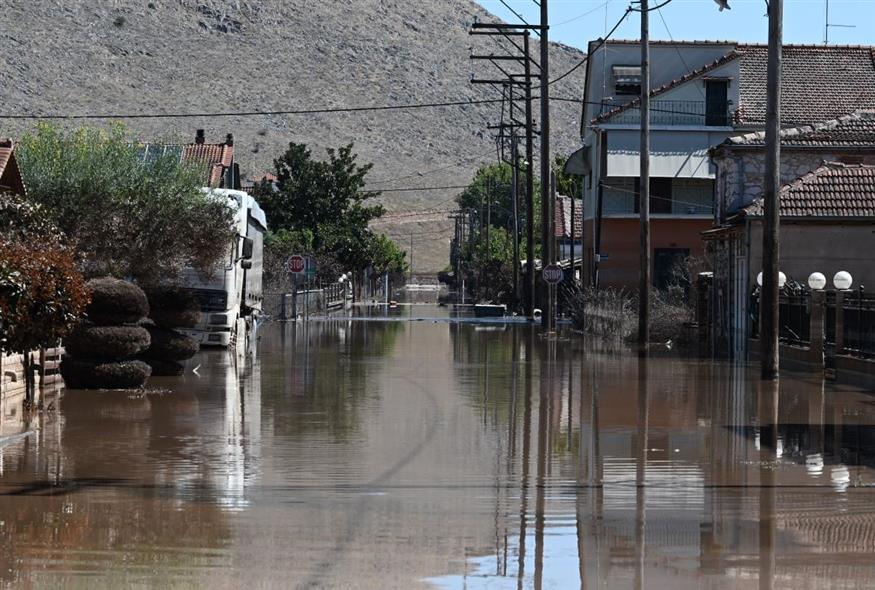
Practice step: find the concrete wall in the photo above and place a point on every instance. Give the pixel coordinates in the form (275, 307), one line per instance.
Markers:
(826, 247)
(620, 243)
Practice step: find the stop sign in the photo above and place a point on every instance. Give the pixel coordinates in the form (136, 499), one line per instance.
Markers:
(552, 274)
(295, 264)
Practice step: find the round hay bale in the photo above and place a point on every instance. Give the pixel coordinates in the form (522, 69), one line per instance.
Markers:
(97, 374)
(114, 301)
(172, 298)
(165, 368)
(109, 342)
(168, 345)
(175, 318)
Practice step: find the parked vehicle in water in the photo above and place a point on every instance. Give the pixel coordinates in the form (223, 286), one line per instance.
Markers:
(231, 298)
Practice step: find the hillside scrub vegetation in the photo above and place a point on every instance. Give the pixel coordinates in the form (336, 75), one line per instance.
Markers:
(122, 214)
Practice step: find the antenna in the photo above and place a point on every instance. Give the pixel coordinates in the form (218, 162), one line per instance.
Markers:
(829, 24)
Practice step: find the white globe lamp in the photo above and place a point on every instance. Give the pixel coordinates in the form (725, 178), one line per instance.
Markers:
(843, 280)
(816, 281)
(760, 279)
(782, 280)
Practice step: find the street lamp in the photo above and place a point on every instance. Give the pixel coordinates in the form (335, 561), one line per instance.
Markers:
(817, 281)
(782, 279)
(843, 280)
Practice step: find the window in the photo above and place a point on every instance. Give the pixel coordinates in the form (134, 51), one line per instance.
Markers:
(660, 195)
(627, 80)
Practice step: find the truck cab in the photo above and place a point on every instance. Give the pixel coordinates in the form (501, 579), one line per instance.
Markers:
(231, 297)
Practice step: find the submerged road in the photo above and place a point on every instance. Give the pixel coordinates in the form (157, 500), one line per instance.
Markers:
(431, 453)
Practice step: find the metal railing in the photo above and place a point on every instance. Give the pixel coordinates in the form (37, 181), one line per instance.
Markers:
(795, 317)
(680, 112)
(859, 324)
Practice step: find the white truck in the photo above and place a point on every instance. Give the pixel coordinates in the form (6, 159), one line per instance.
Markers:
(231, 298)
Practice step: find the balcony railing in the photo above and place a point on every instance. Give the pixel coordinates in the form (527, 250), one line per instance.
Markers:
(681, 112)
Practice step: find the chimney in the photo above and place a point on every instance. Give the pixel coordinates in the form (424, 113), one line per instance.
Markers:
(229, 139)
(199, 137)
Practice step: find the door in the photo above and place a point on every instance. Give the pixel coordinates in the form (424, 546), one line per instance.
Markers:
(716, 103)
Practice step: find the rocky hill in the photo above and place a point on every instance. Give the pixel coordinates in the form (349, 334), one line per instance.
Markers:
(208, 56)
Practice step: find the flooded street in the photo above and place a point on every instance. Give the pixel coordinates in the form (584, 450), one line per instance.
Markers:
(430, 453)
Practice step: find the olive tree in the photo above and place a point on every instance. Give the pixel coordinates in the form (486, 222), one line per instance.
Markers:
(123, 215)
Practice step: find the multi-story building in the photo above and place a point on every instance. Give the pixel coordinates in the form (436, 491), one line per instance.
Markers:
(703, 93)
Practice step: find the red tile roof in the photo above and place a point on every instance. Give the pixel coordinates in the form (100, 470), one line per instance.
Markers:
(833, 190)
(216, 156)
(819, 82)
(856, 130)
(562, 213)
(10, 175)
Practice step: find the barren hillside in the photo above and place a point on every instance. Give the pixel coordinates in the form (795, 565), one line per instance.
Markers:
(172, 56)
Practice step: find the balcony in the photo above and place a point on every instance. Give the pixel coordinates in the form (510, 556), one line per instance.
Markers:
(678, 197)
(681, 112)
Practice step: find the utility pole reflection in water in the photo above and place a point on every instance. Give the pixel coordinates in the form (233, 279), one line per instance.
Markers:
(546, 374)
(527, 437)
(641, 470)
(768, 419)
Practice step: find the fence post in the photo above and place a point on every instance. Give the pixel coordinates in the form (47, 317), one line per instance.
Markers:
(816, 327)
(840, 322)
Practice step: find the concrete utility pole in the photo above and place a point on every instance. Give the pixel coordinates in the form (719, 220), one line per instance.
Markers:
(770, 318)
(548, 256)
(644, 189)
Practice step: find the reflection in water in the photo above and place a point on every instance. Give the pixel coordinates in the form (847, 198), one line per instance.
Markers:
(403, 454)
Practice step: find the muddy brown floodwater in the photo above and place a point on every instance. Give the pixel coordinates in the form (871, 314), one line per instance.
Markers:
(427, 453)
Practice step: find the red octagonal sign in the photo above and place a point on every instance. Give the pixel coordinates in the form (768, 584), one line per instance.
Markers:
(552, 274)
(296, 264)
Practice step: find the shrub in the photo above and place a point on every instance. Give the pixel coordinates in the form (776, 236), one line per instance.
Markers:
(114, 302)
(165, 368)
(114, 342)
(42, 296)
(173, 307)
(168, 345)
(96, 374)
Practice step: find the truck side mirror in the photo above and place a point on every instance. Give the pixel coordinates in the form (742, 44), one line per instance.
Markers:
(245, 264)
(248, 245)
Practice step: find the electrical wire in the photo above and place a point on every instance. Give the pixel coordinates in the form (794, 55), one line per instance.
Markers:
(580, 16)
(629, 10)
(315, 111)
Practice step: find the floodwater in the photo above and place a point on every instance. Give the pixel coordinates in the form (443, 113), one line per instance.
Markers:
(426, 453)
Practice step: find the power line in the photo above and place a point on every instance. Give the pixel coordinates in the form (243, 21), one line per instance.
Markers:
(314, 111)
(426, 172)
(599, 46)
(580, 16)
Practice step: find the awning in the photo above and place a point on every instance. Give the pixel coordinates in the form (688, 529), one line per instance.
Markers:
(672, 155)
(578, 163)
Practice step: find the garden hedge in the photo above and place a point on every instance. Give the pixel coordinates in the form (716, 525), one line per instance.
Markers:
(168, 345)
(113, 342)
(115, 302)
(98, 374)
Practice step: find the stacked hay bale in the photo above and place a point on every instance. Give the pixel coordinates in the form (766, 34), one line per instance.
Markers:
(170, 308)
(101, 352)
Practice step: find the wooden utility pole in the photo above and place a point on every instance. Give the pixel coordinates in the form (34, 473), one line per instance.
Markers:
(644, 185)
(529, 291)
(548, 256)
(514, 189)
(771, 194)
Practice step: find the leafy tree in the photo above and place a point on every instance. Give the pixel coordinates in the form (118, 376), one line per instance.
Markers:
(566, 184)
(320, 208)
(42, 296)
(123, 216)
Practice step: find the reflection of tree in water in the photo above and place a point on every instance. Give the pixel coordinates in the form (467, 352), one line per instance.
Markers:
(318, 376)
(87, 491)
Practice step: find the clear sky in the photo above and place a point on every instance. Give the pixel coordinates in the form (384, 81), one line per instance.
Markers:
(575, 22)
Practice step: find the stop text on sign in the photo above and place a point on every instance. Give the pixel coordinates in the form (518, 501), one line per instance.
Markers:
(296, 264)
(552, 274)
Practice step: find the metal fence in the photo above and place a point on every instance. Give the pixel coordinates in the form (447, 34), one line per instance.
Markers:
(795, 317)
(680, 112)
(859, 324)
